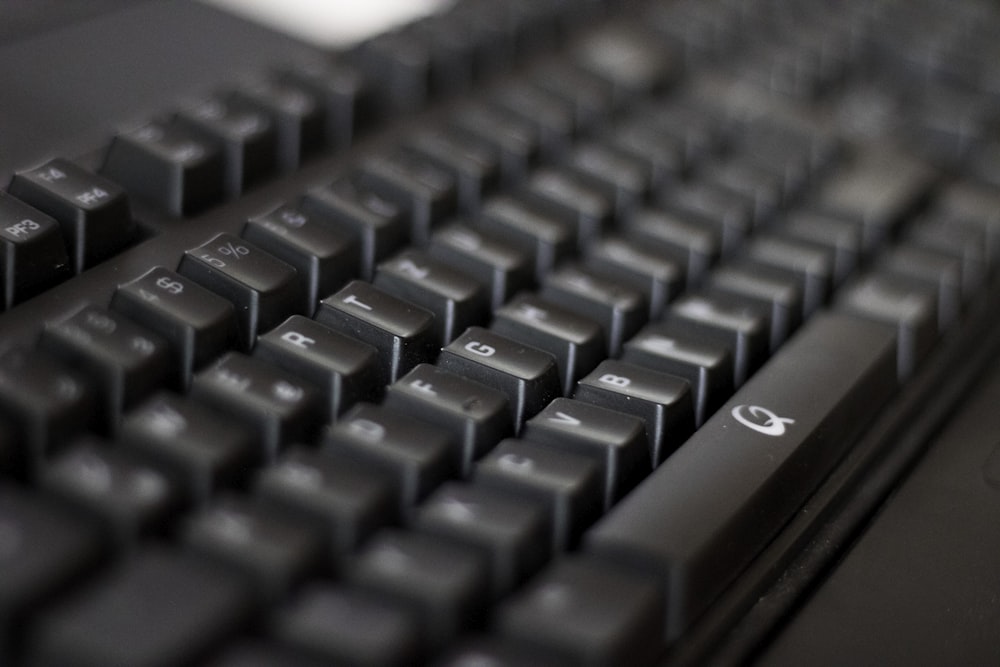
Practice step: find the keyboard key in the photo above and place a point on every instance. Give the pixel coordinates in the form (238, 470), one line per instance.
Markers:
(426, 192)
(477, 416)
(198, 324)
(706, 365)
(567, 485)
(877, 188)
(693, 246)
(474, 164)
(528, 376)
(810, 265)
(47, 402)
(92, 212)
(731, 322)
(416, 454)
(906, 305)
(648, 270)
(614, 441)
(727, 214)
(169, 165)
(279, 406)
(245, 135)
(344, 626)
(326, 257)
(32, 253)
(589, 210)
(344, 369)
(503, 267)
(576, 342)
(379, 223)
(346, 502)
(444, 584)
(458, 301)
(631, 59)
(548, 239)
(589, 613)
(264, 289)
(840, 235)
(159, 608)
(513, 533)
(200, 450)
(804, 406)
(778, 297)
(495, 651)
(296, 113)
(628, 178)
(126, 362)
(342, 92)
(663, 402)
(515, 139)
(936, 270)
(619, 310)
(402, 333)
(129, 498)
(550, 117)
(44, 548)
(272, 549)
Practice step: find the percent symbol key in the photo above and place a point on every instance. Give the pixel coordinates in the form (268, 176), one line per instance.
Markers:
(264, 289)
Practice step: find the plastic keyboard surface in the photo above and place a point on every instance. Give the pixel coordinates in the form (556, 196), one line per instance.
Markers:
(514, 336)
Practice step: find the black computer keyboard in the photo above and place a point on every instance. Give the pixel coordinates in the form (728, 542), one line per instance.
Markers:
(511, 337)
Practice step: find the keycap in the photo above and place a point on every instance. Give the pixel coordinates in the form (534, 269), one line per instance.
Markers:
(43, 548)
(568, 485)
(279, 406)
(906, 305)
(778, 297)
(619, 310)
(588, 210)
(576, 342)
(614, 441)
(658, 278)
(494, 650)
(840, 235)
(527, 376)
(297, 115)
(663, 402)
(32, 252)
(159, 608)
(504, 268)
(512, 533)
(515, 139)
(424, 191)
(810, 265)
(272, 549)
(706, 365)
(457, 300)
(168, 165)
(264, 289)
(694, 247)
(245, 135)
(124, 361)
(46, 402)
(325, 257)
(379, 223)
(877, 188)
(401, 67)
(344, 369)
(477, 416)
(346, 502)
(751, 180)
(343, 93)
(588, 613)
(628, 57)
(549, 117)
(739, 326)
(443, 583)
(417, 455)
(726, 213)
(628, 177)
(591, 99)
(92, 212)
(474, 164)
(660, 154)
(199, 450)
(336, 624)
(934, 269)
(548, 239)
(763, 452)
(402, 333)
(129, 498)
(261, 653)
(198, 324)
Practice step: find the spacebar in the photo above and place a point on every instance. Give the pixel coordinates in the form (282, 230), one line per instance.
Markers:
(709, 509)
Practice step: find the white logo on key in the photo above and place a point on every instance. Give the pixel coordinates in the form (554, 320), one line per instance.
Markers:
(761, 419)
